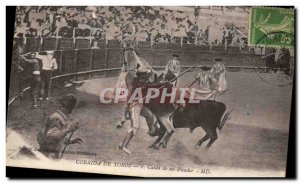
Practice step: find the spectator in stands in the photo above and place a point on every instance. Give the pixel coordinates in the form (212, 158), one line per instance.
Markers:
(49, 64)
(160, 24)
(195, 28)
(46, 28)
(93, 24)
(97, 34)
(223, 36)
(34, 27)
(142, 35)
(229, 36)
(71, 22)
(84, 24)
(192, 33)
(200, 39)
(183, 30)
(60, 23)
(196, 11)
(206, 33)
(21, 28)
(189, 22)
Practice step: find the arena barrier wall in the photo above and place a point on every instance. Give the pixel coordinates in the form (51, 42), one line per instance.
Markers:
(78, 60)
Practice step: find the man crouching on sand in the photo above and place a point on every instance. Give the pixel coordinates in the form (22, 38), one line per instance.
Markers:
(52, 137)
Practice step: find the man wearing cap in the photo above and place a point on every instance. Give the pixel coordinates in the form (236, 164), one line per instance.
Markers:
(35, 78)
(207, 85)
(203, 77)
(143, 71)
(218, 72)
(49, 64)
(173, 68)
(52, 137)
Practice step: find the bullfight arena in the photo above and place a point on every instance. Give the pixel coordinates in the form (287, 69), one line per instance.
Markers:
(255, 137)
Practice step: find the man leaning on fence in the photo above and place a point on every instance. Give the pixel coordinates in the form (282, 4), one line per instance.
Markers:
(34, 79)
(49, 64)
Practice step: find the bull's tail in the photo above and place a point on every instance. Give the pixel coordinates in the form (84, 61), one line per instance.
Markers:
(224, 118)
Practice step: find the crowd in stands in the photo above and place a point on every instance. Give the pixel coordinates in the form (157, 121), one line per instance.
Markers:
(140, 23)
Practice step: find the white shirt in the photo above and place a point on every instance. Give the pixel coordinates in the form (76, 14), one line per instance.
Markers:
(47, 62)
(174, 66)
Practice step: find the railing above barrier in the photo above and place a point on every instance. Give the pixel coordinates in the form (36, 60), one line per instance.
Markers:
(34, 44)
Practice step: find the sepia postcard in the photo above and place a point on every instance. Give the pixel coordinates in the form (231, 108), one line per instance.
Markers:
(152, 91)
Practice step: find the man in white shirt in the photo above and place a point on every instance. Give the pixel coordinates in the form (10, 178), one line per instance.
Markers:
(173, 69)
(48, 65)
(174, 65)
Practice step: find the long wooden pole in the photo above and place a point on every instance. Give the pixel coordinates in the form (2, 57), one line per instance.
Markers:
(62, 153)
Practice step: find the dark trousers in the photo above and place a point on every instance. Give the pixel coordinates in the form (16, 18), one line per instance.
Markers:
(22, 83)
(45, 83)
(34, 81)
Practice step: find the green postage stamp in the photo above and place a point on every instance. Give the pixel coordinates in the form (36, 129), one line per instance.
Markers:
(271, 27)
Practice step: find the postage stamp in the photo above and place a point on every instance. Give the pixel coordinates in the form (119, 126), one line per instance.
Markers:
(272, 27)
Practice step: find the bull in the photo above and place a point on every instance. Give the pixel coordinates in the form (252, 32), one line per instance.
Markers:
(208, 114)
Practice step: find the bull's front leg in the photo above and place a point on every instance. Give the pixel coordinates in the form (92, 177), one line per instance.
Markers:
(199, 143)
(151, 121)
(165, 143)
(213, 138)
(155, 144)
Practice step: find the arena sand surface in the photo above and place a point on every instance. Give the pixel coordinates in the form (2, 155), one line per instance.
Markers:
(255, 137)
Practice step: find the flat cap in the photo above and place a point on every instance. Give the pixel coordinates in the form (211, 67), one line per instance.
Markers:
(218, 59)
(68, 100)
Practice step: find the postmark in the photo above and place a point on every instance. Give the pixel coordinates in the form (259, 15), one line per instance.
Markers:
(271, 26)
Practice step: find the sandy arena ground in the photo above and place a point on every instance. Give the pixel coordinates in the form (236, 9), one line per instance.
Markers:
(256, 136)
